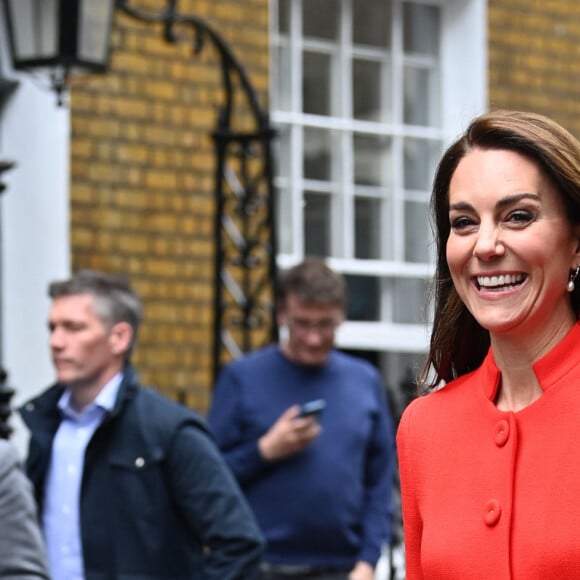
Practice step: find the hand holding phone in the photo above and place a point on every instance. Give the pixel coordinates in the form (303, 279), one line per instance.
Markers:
(314, 407)
(287, 436)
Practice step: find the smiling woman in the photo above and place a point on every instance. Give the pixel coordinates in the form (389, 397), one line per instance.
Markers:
(504, 361)
(458, 342)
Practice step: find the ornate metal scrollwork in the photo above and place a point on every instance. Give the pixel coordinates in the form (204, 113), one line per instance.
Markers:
(245, 255)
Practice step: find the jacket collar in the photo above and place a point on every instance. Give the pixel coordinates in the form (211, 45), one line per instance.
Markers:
(42, 412)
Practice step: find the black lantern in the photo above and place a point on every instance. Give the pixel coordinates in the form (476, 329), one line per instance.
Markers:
(62, 36)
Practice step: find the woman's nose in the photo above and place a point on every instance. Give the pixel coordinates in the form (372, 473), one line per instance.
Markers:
(488, 243)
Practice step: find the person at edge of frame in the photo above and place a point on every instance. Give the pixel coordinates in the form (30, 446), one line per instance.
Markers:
(22, 552)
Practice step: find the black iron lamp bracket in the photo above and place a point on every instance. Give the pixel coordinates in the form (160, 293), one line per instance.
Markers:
(244, 229)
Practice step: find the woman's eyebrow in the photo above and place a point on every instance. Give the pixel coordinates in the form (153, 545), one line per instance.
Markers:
(509, 200)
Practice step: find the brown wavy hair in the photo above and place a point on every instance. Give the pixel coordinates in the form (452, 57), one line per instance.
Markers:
(458, 343)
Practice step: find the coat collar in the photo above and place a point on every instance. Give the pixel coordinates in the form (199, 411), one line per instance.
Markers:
(549, 370)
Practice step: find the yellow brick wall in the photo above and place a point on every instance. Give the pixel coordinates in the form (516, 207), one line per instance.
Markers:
(534, 57)
(142, 178)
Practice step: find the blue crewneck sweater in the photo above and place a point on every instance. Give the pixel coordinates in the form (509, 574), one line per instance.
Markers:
(330, 504)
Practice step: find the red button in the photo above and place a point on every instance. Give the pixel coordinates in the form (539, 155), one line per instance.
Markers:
(492, 512)
(502, 433)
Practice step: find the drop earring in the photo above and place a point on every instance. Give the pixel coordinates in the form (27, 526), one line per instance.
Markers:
(573, 275)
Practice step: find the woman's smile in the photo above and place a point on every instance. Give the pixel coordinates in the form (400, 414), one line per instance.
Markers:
(499, 282)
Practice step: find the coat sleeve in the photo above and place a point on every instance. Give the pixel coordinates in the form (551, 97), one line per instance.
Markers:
(213, 506)
(412, 522)
(22, 553)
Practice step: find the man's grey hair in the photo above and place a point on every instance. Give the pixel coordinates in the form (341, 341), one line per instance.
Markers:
(114, 299)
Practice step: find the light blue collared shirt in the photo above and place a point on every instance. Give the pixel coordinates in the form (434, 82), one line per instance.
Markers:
(60, 516)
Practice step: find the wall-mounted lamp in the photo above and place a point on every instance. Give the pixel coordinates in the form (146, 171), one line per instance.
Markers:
(61, 36)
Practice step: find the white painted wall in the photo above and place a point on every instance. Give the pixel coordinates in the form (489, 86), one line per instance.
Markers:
(34, 231)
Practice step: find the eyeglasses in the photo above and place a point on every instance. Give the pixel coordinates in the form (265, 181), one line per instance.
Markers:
(303, 326)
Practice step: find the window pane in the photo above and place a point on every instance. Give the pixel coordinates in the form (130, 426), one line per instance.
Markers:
(316, 224)
(283, 208)
(421, 29)
(372, 159)
(316, 83)
(281, 152)
(94, 21)
(283, 199)
(284, 16)
(35, 28)
(371, 22)
(317, 154)
(281, 75)
(420, 161)
(367, 215)
(320, 18)
(369, 101)
(401, 371)
(421, 97)
(409, 299)
(363, 298)
(417, 232)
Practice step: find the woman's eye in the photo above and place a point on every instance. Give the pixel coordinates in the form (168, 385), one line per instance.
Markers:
(460, 223)
(520, 217)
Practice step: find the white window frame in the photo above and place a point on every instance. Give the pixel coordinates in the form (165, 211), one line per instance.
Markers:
(463, 96)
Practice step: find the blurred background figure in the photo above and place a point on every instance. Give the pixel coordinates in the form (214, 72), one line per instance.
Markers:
(319, 482)
(22, 554)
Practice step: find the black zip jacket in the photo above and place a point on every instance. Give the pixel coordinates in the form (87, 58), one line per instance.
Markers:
(157, 500)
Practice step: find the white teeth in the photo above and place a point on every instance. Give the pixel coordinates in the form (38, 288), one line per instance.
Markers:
(503, 280)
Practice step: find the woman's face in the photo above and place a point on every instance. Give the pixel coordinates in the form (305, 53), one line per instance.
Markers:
(510, 247)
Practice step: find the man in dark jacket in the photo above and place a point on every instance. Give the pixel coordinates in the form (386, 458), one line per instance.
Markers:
(130, 485)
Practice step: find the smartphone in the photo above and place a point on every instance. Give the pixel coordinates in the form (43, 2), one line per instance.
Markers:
(312, 408)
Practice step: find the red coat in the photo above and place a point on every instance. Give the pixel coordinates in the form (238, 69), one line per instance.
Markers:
(490, 494)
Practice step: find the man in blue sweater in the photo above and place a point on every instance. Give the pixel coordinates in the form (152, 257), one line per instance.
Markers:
(319, 484)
